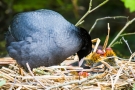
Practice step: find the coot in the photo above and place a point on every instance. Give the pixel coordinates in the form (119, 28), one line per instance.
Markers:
(44, 38)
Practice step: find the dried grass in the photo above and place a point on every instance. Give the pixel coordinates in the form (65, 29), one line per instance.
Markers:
(67, 78)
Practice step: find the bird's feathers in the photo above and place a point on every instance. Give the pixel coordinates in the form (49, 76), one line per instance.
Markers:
(43, 38)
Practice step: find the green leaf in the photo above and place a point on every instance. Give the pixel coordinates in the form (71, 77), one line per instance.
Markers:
(129, 4)
(133, 87)
(2, 82)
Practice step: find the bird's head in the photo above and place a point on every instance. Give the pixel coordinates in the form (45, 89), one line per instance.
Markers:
(86, 44)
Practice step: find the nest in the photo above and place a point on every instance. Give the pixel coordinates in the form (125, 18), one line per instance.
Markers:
(120, 77)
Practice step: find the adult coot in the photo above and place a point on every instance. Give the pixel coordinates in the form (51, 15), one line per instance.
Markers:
(44, 38)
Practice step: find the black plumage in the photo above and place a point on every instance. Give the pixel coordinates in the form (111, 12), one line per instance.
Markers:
(44, 38)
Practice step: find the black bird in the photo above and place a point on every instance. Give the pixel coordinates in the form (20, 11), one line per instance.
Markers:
(44, 38)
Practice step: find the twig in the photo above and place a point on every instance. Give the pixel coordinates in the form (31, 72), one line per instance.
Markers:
(132, 71)
(103, 18)
(89, 11)
(133, 55)
(108, 66)
(23, 85)
(126, 34)
(112, 82)
(7, 76)
(117, 42)
(115, 57)
(48, 77)
(7, 61)
(81, 20)
(12, 86)
(72, 82)
(107, 38)
(34, 77)
(19, 88)
(127, 44)
(97, 44)
(127, 24)
(118, 74)
(7, 70)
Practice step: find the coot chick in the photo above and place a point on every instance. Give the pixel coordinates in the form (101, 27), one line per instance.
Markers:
(45, 38)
